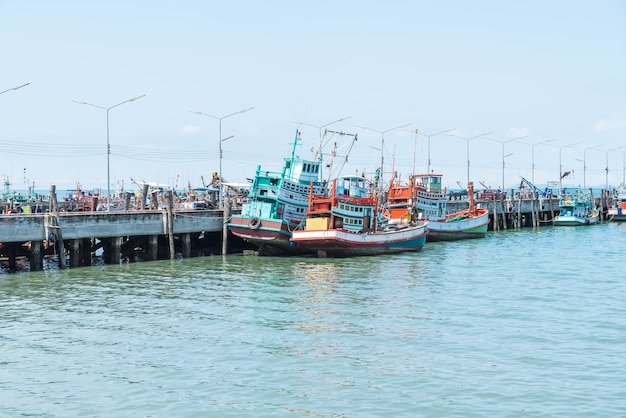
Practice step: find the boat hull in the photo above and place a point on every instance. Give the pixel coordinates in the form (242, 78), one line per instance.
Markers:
(617, 217)
(456, 230)
(270, 236)
(341, 243)
(572, 220)
(616, 214)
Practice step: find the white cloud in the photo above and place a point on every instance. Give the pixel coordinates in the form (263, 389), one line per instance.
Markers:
(190, 129)
(517, 132)
(615, 121)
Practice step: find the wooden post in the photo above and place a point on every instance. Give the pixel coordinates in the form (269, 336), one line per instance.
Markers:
(537, 208)
(519, 210)
(10, 249)
(144, 197)
(54, 206)
(115, 249)
(496, 224)
(186, 239)
(154, 200)
(226, 217)
(593, 201)
(36, 256)
(127, 196)
(75, 253)
(602, 196)
(85, 252)
(153, 247)
(170, 221)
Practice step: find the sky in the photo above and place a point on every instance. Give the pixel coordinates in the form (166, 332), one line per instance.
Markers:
(519, 73)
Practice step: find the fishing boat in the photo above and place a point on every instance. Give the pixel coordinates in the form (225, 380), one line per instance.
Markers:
(617, 211)
(430, 200)
(576, 208)
(347, 222)
(277, 204)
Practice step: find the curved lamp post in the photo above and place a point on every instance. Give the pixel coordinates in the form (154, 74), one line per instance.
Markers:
(503, 156)
(108, 143)
(560, 165)
(606, 181)
(416, 131)
(532, 155)
(220, 141)
(467, 152)
(585, 163)
(430, 135)
(15, 88)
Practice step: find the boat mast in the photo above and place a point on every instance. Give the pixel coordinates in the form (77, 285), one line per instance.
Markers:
(334, 153)
(470, 196)
(293, 155)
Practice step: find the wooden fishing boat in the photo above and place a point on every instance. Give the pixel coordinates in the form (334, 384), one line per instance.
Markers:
(617, 211)
(576, 208)
(347, 222)
(425, 193)
(277, 204)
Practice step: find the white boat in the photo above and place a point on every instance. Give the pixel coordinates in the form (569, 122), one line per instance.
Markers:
(617, 211)
(426, 193)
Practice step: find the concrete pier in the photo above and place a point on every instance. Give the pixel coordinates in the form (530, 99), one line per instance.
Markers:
(117, 233)
(507, 213)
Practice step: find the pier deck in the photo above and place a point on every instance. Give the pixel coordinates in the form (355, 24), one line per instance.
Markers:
(159, 233)
(80, 234)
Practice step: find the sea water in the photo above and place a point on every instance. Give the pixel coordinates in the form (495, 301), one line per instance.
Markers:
(528, 323)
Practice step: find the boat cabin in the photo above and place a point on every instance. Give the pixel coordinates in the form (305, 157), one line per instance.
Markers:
(350, 207)
(431, 182)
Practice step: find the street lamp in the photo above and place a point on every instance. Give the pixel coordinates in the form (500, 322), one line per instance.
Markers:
(468, 141)
(503, 156)
(220, 140)
(429, 135)
(15, 88)
(560, 165)
(108, 144)
(382, 147)
(623, 166)
(532, 155)
(606, 185)
(585, 163)
(414, 147)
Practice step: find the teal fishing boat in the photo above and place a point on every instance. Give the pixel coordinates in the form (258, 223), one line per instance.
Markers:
(576, 208)
(277, 204)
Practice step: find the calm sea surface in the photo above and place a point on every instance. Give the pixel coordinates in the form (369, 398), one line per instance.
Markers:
(525, 323)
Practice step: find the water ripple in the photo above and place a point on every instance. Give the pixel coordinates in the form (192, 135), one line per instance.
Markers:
(522, 323)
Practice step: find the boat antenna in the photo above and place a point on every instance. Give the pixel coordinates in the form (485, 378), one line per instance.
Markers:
(345, 157)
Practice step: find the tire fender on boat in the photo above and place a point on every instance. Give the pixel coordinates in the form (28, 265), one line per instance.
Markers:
(254, 223)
